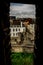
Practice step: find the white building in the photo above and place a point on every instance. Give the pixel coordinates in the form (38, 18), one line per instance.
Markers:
(14, 30)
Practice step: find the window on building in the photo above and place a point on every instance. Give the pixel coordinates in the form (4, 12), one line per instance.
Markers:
(16, 29)
(15, 39)
(13, 34)
(19, 29)
(13, 29)
(16, 33)
(23, 29)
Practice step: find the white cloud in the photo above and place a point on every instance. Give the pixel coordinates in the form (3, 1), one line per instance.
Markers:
(23, 10)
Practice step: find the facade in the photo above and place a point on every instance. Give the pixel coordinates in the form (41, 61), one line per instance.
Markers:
(14, 30)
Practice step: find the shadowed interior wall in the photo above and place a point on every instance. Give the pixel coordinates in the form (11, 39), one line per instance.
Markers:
(4, 34)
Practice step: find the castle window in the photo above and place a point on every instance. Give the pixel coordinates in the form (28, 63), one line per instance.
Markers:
(13, 34)
(23, 29)
(19, 29)
(13, 29)
(16, 33)
(16, 29)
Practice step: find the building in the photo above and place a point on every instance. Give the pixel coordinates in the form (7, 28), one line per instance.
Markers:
(15, 29)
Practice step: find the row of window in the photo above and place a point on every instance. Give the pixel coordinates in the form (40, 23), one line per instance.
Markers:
(16, 29)
(14, 34)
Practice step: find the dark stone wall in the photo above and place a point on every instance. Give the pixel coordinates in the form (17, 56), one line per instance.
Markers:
(37, 42)
(4, 34)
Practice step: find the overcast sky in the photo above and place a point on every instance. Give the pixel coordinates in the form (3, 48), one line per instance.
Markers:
(22, 10)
